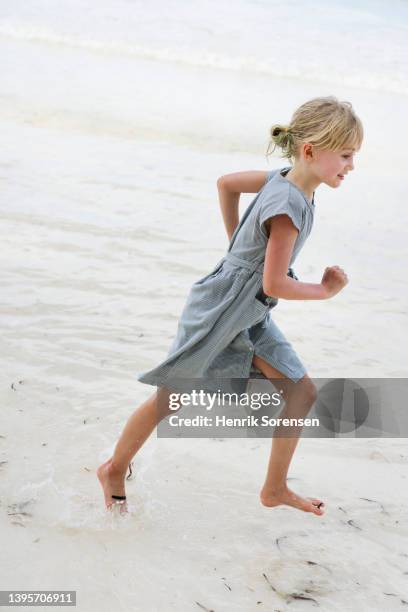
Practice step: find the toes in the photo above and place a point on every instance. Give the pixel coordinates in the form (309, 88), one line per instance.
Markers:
(317, 511)
(316, 502)
(316, 506)
(119, 506)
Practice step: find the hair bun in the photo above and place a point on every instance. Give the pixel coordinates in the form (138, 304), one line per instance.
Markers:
(280, 129)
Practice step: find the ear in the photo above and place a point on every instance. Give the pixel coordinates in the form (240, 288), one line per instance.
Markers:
(308, 151)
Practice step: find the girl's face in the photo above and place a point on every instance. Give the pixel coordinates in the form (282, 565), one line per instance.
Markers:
(331, 167)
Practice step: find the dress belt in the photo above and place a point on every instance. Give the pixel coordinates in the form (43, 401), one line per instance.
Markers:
(253, 266)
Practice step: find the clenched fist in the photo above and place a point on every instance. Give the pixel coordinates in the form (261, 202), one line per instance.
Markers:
(334, 279)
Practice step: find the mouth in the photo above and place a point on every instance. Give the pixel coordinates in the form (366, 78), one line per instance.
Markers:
(341, 176)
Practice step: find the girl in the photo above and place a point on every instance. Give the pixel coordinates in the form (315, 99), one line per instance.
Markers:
(225, 329)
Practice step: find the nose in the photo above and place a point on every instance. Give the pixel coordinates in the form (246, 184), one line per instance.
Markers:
(351, 164)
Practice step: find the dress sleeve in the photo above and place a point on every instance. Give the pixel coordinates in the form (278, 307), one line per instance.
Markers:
(281, 201)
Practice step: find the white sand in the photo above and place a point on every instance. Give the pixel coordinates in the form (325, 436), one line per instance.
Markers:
(90, 296)
(105, 225)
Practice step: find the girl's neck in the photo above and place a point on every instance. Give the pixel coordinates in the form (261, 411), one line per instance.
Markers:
(302, 178)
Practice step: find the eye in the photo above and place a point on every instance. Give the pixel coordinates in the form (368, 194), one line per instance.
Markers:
(346, 156)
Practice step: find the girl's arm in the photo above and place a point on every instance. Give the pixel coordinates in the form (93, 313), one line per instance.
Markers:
(230, 187)
(275, 282)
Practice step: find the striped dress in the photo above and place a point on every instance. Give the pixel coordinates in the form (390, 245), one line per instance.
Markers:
(227, 318)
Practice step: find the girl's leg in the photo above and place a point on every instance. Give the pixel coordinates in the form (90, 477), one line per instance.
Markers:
(138, 428)
(299, 398)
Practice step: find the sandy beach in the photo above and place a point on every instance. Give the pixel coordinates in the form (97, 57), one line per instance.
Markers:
(109, 160)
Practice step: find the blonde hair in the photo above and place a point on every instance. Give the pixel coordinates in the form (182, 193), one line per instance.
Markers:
(324, 122)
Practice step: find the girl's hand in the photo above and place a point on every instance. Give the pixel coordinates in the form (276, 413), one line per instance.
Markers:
(333, 281)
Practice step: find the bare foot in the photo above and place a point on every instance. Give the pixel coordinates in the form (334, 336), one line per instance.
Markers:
(112, 484)
(285, 496)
